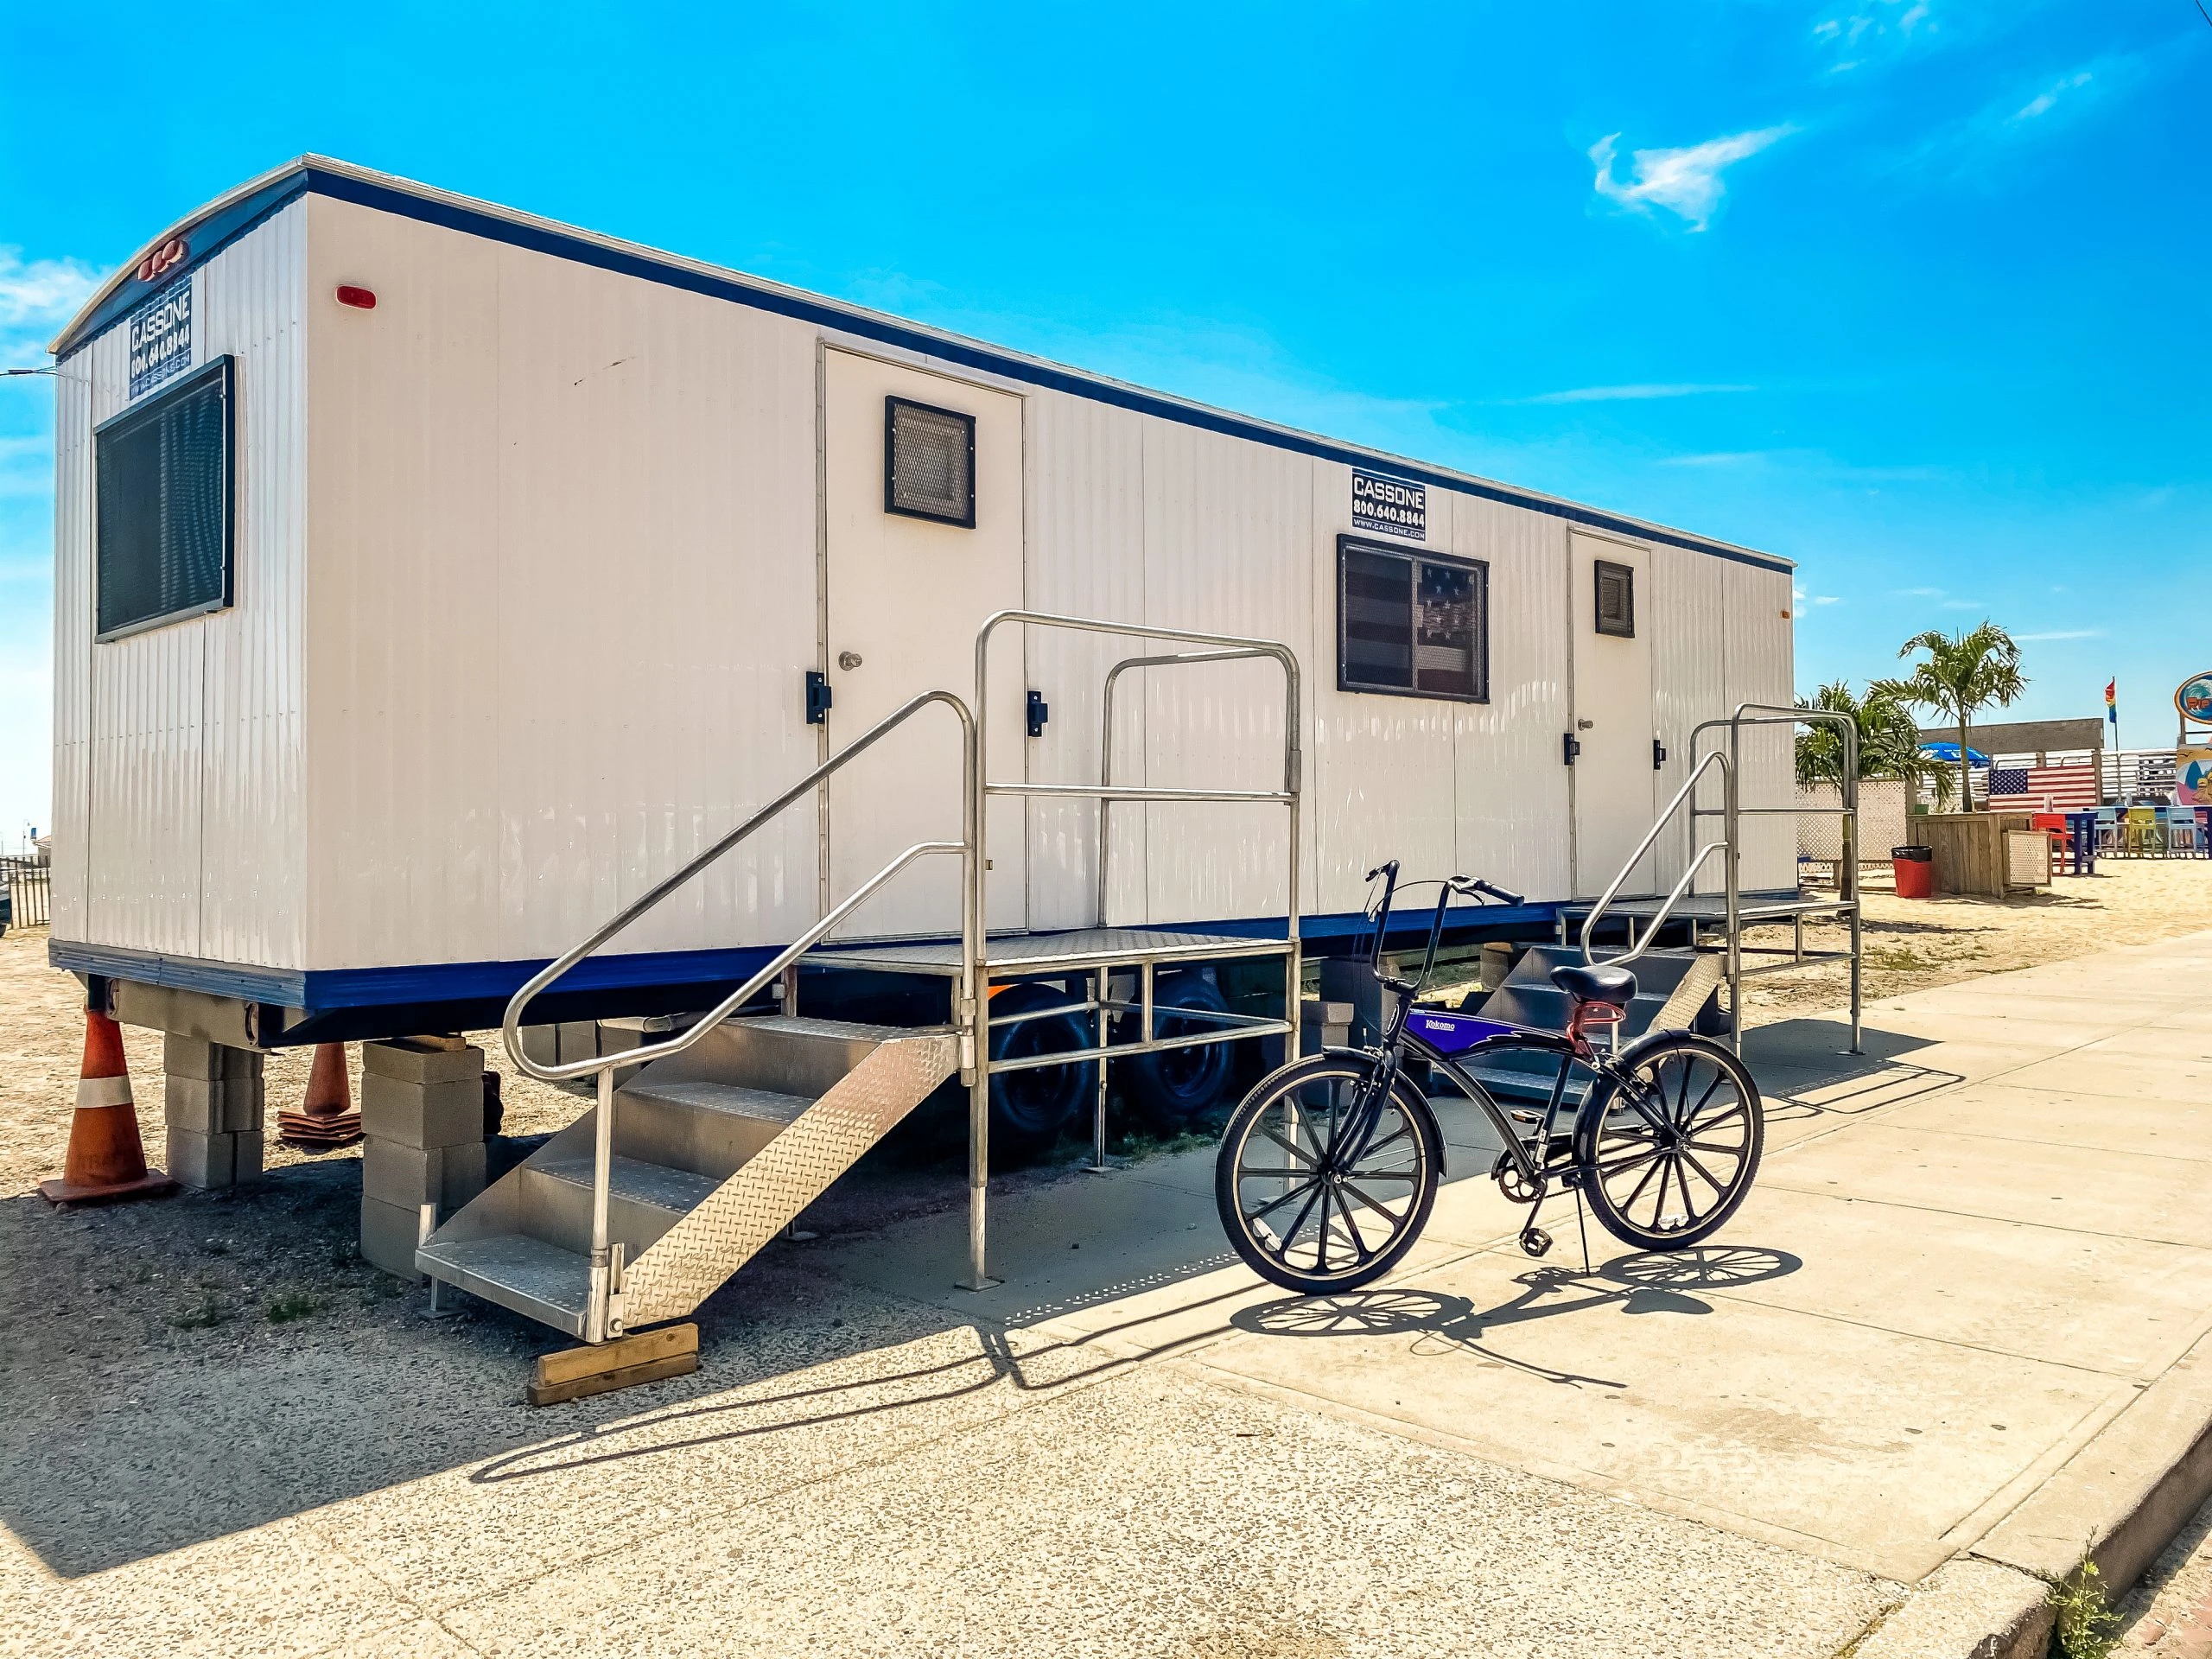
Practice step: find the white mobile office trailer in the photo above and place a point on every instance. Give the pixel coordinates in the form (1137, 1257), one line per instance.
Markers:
(432, 579)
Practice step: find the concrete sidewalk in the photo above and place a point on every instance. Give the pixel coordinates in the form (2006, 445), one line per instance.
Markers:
(1950, 1339)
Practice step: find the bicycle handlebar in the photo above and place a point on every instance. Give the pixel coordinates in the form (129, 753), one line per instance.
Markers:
(1467, 885)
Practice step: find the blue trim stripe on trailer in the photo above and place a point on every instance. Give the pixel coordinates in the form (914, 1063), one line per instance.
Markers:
(325, 989)
(221, 229)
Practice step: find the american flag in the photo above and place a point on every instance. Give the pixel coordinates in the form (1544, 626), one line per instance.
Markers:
(2045, 789)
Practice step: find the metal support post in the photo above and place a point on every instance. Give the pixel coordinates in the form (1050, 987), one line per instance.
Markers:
(1731, 864)
(603, 1167)
(1099, 983)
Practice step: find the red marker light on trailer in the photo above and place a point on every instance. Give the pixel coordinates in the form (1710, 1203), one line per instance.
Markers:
(360, 299)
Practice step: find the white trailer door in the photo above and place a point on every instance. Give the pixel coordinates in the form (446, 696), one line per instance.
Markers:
(909, 582)
(1611, 615)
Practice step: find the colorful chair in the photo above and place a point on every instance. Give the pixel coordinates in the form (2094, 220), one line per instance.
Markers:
(2182, 838)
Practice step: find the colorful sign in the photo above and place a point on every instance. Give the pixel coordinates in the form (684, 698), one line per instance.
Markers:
(2194, 698)
(2193, 777)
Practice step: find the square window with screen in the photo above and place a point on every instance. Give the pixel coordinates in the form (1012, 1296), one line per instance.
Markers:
(162, 491)
(1410, 625)
(1616, 587)
(929, 462)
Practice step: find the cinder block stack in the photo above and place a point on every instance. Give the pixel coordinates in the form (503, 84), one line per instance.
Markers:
(212, 1100)
(422, 1121)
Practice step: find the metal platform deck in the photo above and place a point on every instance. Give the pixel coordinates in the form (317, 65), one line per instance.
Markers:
(1074, 950)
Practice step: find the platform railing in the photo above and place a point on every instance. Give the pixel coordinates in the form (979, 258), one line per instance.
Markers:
(602, 1317)
(1732, 811)
(1214, 648)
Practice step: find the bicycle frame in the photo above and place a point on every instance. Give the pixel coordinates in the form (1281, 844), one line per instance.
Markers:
(1397, 1039)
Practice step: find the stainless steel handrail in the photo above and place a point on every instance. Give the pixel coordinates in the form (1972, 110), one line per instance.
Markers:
(1222, 647)
(1605, 899)
(1732, 812)
(1770, 714)
(599, 1321)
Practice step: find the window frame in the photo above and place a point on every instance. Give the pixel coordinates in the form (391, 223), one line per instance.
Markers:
(892, 404)
(1598, 569)
(1416, 557)
(223, 370)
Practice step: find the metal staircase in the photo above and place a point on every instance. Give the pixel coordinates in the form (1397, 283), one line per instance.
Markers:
(1731, 913)
(723, 1133)
(714, 1150)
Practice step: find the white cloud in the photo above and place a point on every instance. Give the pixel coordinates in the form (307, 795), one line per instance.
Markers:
(2041, 103)
(2065, 633)
(1687, 183)
(39, 292)
(1614, 394)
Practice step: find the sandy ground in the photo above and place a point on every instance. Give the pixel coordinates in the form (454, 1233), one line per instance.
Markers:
(1915, 945)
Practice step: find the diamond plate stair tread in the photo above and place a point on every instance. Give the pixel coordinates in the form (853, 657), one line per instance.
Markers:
(732, 1099)
(801, 1025)
(677, 1191)
(548, 1283)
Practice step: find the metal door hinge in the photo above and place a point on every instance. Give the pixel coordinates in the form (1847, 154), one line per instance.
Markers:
(819, 696)
(1038, 712)
(1569, 747)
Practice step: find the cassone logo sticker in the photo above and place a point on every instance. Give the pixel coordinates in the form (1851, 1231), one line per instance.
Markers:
(1389, 504)
(160, 337)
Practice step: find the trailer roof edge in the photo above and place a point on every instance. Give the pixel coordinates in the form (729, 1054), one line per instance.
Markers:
(237, 212)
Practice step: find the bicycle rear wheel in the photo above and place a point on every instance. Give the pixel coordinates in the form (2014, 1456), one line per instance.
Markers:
(1668, 1154)
(1302, 1205)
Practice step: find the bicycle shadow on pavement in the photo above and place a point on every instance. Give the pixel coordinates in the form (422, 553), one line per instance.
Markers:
(1645, 1282)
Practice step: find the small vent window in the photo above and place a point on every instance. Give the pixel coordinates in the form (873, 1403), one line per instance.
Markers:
(1414, 627)
(163, 521)
(1616, 599)
(929, 462)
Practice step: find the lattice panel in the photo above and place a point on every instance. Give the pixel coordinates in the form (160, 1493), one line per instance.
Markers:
(689, 1261)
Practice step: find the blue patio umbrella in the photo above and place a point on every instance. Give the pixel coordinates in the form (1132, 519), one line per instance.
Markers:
(1950, 752)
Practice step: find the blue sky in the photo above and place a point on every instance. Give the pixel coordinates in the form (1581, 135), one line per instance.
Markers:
(1914, 292)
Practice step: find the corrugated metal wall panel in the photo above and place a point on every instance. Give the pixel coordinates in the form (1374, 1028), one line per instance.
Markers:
(570, 682)
(72, 645)
(253, 863)
(190, 839)
(1229, 538)
(1511, 795)
(1688, 656)
(1085, 557)
(1379, 769)
(1759, 670)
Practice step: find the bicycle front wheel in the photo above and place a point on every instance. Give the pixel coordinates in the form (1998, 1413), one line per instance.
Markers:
(1667, 1153)
(1305, 1201)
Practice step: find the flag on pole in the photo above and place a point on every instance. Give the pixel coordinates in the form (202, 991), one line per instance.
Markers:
(2112, 702)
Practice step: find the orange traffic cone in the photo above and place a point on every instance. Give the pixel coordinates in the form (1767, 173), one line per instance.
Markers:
(327, 1118)
(105, 1160)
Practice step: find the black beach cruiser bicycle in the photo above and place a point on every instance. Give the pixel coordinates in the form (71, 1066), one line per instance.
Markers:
(1328, 1169)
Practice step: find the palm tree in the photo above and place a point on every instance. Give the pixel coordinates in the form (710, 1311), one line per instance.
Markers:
(1961, 675)
(1889, 739)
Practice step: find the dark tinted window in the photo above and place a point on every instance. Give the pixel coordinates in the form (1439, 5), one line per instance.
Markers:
(1616, 599)
(163, 520)
(929, 462)
(1417, 626)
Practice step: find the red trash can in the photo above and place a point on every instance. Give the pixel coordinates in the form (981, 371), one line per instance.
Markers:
(1916, 871)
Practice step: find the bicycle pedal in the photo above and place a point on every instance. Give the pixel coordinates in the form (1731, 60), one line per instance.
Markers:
(1535, 1241)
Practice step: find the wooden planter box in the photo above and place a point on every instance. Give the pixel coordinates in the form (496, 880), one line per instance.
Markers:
(1974, 855)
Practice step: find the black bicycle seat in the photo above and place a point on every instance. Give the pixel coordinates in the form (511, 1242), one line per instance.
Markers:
(1612, 986)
